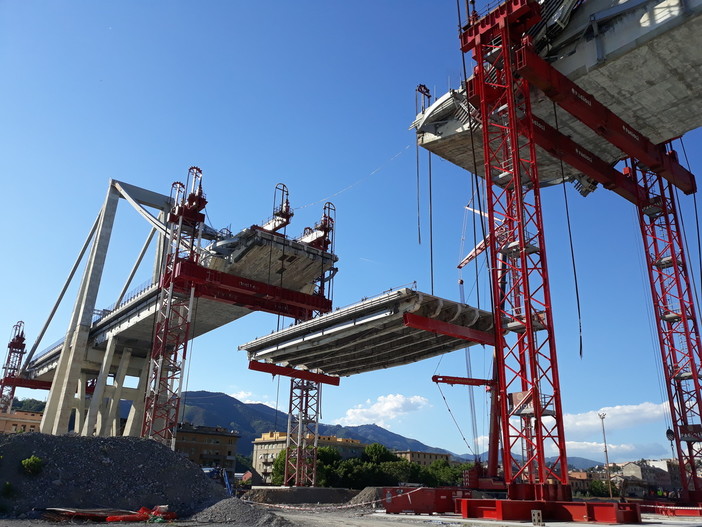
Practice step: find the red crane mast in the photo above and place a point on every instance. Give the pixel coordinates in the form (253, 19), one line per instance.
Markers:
(528, 391)
(13, 362)
(174, 318)
(527, 376)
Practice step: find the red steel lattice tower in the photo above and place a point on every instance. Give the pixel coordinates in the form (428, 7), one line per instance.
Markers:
(303, 423)
(13, 363)
(174, 317)
(529, 394)
(676, 321)
(303, 409)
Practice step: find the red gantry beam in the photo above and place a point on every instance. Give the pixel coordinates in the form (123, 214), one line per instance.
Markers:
(603, 121)
(292, 372)
(446, 328)
(563, 147)
(247, 292)
(463, 381)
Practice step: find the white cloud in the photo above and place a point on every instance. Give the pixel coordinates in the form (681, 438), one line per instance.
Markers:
(585, 425)
(245, 397)
(616, 452)
(385, 409)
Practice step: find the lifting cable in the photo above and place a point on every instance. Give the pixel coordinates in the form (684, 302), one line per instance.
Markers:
(697, 229)
(423, 92)
(652, 324)
(471, 394)
(417, 107)
(192, 340)
(570, 239)
(454, 418)
(431, 228)
(379, 168)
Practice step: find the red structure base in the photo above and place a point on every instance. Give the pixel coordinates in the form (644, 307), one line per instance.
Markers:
(423, 500)
(566, 511)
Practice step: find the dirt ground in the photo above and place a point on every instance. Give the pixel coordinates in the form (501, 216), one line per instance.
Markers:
(369, 519)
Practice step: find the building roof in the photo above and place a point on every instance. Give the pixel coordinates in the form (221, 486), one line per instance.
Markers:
(208, 430)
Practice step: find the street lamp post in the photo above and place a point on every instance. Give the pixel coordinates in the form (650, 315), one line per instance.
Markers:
(602, 416)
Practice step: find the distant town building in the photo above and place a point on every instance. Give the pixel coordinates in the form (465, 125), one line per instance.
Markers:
(580, 481)
(630, 486)
(267, 447)
(421, 458)
(208, 446)
(19, 421)
(672, 467)
(654, 477)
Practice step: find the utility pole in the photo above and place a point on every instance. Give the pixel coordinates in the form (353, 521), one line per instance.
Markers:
(602, 416)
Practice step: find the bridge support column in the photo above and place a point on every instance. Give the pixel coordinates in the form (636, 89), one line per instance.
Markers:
(136, 414)
(97, 400)
(110, 426)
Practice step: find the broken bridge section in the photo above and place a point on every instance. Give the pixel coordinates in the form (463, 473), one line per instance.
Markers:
(395, 328)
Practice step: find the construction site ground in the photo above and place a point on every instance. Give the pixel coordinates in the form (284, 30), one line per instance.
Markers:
(356, 519)
(129, 473)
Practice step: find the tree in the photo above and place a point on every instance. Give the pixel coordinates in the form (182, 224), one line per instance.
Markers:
(328, 459)
(377, 453)
(28, 405)
(278, 474)
(357, 474)
(395, 472)
(445, 474)
(599, 488)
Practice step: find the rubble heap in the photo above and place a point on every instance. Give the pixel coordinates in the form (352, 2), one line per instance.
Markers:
(91, 472)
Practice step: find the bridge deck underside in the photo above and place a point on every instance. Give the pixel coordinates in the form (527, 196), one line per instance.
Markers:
(370, 335)
(644, 65)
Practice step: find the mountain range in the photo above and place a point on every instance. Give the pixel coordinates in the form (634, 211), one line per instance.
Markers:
(250, 420)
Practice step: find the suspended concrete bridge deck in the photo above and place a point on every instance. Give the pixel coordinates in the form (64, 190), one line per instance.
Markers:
(640, 58)
(398, 327)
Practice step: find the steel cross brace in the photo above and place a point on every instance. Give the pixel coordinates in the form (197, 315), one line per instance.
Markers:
(601, 119)
(446, 328)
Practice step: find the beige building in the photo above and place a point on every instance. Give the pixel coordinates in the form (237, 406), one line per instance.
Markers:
(208, 446)
(580, 481)
(267, 447)
(19, 421)
(421, 458)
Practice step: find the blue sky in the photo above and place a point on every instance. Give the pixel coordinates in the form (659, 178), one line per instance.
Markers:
(319, 96)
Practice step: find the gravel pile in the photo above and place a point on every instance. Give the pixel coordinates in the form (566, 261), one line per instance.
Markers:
(368, 497)
(88, 472)
(233, 511)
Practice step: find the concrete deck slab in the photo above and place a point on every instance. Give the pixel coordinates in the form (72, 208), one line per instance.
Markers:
(369, 335)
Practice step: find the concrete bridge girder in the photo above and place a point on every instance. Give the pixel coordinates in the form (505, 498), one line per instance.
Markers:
(639, 58)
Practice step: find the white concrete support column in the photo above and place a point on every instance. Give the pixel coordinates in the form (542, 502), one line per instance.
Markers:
(110, 426)
(97, 399)
(63, 391)
(79, 402)
(136, 414)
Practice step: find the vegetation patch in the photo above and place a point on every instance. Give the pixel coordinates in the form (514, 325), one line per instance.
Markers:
(32, 465)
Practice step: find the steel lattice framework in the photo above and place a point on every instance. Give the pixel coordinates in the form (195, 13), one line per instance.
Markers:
(303, 424)
(529, 393)
(13, 363)
(175, 307)
(676, 321)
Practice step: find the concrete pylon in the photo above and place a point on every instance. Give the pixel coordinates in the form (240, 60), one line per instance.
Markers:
(81, 363)
(62, 397)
